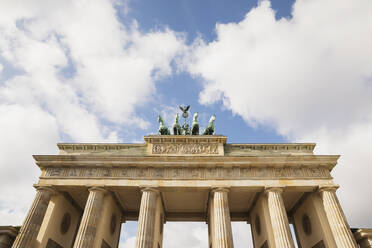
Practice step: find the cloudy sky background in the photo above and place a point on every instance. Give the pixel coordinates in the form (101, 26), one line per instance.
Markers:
(101, 71)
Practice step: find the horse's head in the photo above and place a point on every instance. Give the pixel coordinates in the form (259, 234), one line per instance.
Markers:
(177, 118)
(160, 120)
(213, 118)
(195, 117)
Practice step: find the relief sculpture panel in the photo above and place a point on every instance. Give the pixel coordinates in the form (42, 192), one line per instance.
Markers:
(188, 149)
(170, 173)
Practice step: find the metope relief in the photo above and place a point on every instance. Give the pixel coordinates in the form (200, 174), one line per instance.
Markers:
(179, 173)
(191, 149)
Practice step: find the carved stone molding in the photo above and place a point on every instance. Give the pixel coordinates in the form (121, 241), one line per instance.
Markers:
(201, 173)
(185, 149)
(177, 145)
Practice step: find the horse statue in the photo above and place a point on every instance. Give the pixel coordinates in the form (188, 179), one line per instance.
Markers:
(195, 125)
(210, 129)
(163, 130)
(176, 126)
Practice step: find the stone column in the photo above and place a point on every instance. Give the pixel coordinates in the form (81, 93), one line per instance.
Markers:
(31, 226)
(88, 225)
(278, 217)
(222, 234)
(146, 218)
(336, 218)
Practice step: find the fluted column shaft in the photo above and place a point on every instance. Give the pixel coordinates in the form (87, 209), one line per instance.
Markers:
(279, 219)
(88, 225)
(336, 218)
(26, 237)
(222, 237)
(146, 219)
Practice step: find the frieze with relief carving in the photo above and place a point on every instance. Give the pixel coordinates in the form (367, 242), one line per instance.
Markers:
(201, 173)
(185, 149)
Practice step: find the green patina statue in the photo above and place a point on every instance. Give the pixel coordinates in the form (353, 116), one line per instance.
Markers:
(185, 114)
(185, 128)
(195, 125)
(176, 126)
(163, 130)
(210, 129)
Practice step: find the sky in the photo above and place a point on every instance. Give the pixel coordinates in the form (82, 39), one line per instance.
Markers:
(101, 71)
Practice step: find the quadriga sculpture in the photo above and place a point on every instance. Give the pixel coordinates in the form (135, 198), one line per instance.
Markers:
(185, 128)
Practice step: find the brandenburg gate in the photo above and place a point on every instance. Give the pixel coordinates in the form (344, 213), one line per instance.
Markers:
(87, 191)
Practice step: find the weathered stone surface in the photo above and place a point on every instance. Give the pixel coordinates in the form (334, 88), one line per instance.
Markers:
(189, 173)
(88, 226)
(179, 145)
(146, 219)
(336, 218)
(221, 222)
(30, 228)
(278, 216)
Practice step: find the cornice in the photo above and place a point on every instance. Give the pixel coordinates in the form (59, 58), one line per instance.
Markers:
(328, 161)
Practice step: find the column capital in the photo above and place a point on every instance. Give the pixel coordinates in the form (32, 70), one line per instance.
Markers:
(220, 189)
(330, 188)
(278, 189)
(150, 189)
(46, 188)
(98, 189)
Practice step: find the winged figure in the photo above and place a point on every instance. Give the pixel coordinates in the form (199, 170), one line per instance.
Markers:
(184, 111)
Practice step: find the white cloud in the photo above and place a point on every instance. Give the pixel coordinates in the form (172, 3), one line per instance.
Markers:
(242, 235)
(191, 234)
(309, 77)
(74, 72)
(112, 67)
(24, 131)
(128, 243)
(185, 234)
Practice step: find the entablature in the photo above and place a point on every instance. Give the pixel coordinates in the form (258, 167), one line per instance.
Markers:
(328, 161)
(199, 168)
